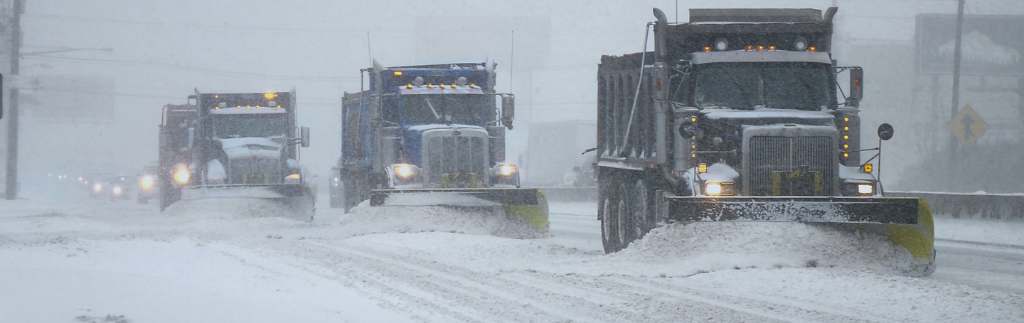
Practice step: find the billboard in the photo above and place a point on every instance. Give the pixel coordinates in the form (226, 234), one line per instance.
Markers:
(990, 44)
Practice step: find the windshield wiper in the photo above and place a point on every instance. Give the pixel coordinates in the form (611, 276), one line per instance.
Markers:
(437, 117)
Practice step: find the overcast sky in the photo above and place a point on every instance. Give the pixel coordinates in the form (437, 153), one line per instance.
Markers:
(163, 50)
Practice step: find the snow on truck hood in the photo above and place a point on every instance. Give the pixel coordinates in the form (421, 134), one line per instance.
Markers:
(261, 147)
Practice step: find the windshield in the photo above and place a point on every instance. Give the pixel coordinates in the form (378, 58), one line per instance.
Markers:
(249, 125)
(746, 86)
(442, 108)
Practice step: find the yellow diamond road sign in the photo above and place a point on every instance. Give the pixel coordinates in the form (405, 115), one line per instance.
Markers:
(967, 126)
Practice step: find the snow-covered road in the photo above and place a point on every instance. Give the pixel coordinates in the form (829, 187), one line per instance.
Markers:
(101, 261)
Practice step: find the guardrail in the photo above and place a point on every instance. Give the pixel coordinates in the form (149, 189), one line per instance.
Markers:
(971, 205)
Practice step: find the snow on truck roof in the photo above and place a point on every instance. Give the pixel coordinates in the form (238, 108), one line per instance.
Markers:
(437, 89)
(248, 110)
(749, 56)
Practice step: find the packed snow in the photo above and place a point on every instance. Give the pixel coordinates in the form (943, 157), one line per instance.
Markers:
(100, 261)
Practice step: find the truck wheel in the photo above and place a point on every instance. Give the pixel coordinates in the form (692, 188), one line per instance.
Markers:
(639, 211)
(625, 221)
(609, 225)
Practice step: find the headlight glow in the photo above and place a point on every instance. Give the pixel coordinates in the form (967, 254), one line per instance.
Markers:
(404, 171)
(507, 170)
(865, 188)
(181, 176)
(97, 187)
(117, 190)
(146, 181)
(713, 188)
(294, 176)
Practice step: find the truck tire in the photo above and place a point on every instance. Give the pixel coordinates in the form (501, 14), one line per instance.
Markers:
(609, 211)
(639, 211)
(625, 222)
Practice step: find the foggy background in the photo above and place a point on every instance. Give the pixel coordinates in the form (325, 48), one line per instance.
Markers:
(87, 109)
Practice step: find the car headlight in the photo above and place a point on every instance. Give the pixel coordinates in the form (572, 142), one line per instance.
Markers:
(97, 187)
(117, 190)
(181, 176)
(292, 179)
(146, 182)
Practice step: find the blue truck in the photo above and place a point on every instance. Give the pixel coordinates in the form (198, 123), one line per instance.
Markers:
(431, 133)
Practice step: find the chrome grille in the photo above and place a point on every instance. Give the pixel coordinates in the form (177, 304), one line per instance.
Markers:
(453, 155)
(784, 154)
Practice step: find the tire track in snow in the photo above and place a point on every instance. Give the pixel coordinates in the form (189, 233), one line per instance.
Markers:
(557, 297)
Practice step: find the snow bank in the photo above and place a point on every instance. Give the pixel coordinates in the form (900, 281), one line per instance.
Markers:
(483, 220)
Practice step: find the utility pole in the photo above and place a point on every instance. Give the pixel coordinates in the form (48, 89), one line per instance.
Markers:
(12, 120)
(953, 156)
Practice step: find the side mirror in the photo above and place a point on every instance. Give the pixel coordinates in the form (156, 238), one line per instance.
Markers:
(191, 136)
(885, 131)
(856, 85)
(304, 135)
(508, 110)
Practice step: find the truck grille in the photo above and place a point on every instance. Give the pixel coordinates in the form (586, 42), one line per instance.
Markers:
(255, 171)
(784, 154)
(453, 155)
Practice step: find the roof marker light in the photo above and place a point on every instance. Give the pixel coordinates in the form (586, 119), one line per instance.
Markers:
(771, 47)
(269, 95)
(707, 48)
(398, 73)
(408, 86)
(760, 47)
(471, 85)
(812, 48)
(800, 43)
(750, 47)
(721, 44)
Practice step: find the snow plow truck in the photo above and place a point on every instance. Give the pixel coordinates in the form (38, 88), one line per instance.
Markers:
(431, 135)
(737, 115)
(235, 145)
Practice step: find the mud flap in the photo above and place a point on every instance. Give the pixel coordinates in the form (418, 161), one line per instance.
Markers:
(527, 204)
(298, 198)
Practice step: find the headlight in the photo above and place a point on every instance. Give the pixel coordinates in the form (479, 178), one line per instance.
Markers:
(713, 189)
(146, 181)
(506, 170)
(404, 171)
(292, 179)
(716, 188)
(181, 176)
(117, 190)
(865, 189)
(858, 189)
(97, 187)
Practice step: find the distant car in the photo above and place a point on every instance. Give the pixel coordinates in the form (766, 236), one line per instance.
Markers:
(148, 184)
(585, 175)
(96, 183)
(116, 188)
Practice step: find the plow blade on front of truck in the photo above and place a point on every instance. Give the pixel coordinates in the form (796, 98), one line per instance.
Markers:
(297, 199)
(527, 204)
(907, 222)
